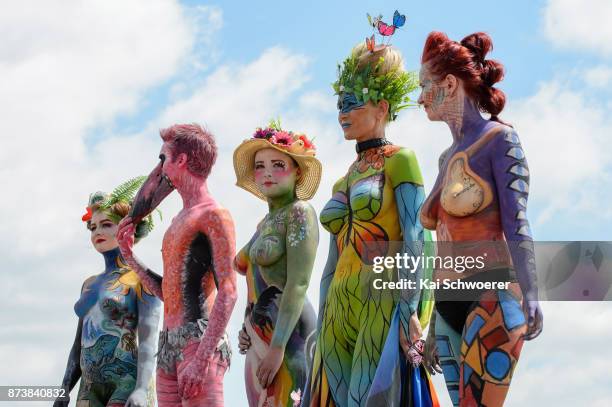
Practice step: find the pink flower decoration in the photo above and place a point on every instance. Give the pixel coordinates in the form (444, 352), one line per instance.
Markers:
(284, 138)
(266, 133)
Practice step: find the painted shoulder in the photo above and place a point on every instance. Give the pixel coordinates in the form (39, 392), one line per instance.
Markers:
(402, 166)
(339, 184)
(88, 281)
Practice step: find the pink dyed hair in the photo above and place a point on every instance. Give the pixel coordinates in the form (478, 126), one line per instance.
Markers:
(198, 144)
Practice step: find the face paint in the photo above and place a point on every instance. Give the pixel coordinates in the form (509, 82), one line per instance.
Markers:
(432, 95)
(357, 119)
(275, 173)
(103, 232)
(348, 102)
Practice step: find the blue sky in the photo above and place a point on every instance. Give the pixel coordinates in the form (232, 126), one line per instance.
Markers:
(86, 88)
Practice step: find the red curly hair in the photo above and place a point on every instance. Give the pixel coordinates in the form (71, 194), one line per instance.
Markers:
(466, 60)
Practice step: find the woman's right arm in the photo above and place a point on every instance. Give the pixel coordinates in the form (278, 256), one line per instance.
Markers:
(328, 275)
(73, 368)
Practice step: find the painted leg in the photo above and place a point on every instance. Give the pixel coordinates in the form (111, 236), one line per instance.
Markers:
(337, 344)
(491, 346)
(211, 395)
(376, 315)
(448, 342)
(167, 389)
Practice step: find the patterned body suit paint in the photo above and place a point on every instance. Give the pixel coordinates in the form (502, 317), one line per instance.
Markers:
(480, 342)
(109, 309)
(264, 262)
(375, 203)
(199, 283)
(191, 260)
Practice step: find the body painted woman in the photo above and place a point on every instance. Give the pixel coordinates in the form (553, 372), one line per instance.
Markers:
(480, 195)
(113, 351)
(277, 262)
(360, 329)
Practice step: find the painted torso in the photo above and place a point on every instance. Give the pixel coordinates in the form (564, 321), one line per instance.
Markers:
(189, 285)
(362, 212)
(464, 205)
(266, 258)
(109, 306)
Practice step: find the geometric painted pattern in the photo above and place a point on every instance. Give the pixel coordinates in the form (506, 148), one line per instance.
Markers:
(491, 345)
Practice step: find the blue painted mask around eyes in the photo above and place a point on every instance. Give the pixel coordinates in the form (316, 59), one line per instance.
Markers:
(348, 102)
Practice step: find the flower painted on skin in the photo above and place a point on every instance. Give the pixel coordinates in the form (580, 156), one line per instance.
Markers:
(375, 157)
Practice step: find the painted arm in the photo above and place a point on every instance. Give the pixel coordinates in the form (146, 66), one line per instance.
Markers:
(148, 321)
(511, 175)
(406, 180)
(301, 242)
(410, 198)
(219, 228)
(125, 237)
(327, 277)
(73, 367)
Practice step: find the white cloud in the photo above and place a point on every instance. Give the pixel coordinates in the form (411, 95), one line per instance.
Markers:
(564, 133)
(579, 25)
(68, 69)
(599, 77)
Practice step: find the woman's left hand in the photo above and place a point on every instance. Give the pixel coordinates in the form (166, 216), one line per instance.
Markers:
(138, 398)
(414, 331)
(535, 319)
(266, 372)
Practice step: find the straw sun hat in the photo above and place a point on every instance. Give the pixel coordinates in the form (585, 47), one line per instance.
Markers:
(297, 146)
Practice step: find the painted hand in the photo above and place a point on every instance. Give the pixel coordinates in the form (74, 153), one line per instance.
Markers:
(432, 359)
(125, 237)
(535, 319)
(191, 379)
(266, 372)
(413, 348)
(244, 341)
(138, 398)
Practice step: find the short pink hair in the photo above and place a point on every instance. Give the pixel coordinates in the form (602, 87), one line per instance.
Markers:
(198, 144)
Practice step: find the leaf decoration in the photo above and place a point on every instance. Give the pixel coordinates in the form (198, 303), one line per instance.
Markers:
(124, 192)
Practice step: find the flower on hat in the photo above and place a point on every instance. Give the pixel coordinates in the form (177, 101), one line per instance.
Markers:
(283, 137)
(307, 143)
(266, 133)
